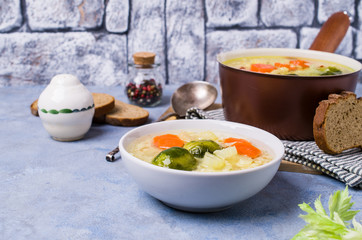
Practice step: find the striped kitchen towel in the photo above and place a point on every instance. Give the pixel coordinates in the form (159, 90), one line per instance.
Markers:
(346, 167)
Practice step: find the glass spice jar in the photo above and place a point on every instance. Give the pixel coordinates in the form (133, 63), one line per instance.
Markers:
(145, 83)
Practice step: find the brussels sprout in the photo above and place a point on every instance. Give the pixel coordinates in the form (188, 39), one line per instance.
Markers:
(332, 71)
(175, 158)
(198, 148)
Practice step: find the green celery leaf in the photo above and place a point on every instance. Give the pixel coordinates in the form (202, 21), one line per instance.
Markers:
(338, 219)
(357, 226)
(332, 226)
(309, 232)
(319, 207)
(354, 233)
(340, 203)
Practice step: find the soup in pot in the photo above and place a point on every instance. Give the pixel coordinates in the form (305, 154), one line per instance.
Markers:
(282, 65)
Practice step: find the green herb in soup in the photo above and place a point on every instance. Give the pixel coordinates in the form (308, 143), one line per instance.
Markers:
(288, 66)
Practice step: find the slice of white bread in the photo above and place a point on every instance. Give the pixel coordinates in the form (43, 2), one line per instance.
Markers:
(337, 123)
(124, 114)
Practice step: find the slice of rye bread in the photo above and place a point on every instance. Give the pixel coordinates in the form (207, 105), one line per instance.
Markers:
(337, 123)
(34, 108)
(103, 104)
(124, 114)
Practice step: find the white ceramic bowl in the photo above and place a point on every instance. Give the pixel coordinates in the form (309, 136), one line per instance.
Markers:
(202, 191)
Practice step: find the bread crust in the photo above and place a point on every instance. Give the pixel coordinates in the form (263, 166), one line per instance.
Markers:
(319, 121)
(127, 115)
(34, 108)
(104, 103)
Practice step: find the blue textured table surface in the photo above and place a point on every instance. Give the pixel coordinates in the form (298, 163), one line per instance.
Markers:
(67, 190)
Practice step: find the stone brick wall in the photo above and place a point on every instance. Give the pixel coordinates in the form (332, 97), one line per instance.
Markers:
(95, 39)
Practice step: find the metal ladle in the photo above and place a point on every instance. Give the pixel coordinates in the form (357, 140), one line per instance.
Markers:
(197, 94)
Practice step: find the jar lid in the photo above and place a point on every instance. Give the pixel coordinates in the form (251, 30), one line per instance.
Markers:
(144, 58)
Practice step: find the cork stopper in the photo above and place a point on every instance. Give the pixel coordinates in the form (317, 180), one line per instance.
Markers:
(144, 58)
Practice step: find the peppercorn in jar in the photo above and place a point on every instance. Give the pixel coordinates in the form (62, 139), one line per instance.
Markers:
(144, 86)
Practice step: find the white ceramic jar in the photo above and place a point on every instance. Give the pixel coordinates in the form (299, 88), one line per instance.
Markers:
(66, 108)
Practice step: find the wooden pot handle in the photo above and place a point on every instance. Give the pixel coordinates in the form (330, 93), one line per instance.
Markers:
(332, 33)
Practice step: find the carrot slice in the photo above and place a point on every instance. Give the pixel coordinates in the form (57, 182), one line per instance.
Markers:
(234, 140)
(244, 147)
(167, 141)
(263, 68)
(247, 149)
(302, 63)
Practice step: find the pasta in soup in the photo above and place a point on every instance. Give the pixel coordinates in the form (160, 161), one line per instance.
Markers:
(282, 65)
(198, 151)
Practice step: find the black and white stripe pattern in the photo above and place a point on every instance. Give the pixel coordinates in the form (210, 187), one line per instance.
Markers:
(195, 113)
(346, 167)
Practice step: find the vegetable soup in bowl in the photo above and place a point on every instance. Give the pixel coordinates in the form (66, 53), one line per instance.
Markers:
(201, 165)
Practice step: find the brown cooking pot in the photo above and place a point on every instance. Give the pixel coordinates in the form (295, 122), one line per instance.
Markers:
(283, 104)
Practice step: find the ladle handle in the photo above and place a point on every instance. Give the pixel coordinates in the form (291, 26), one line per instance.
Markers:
(332, 33)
